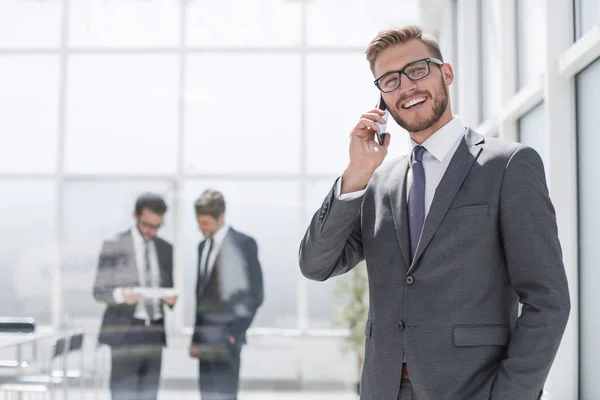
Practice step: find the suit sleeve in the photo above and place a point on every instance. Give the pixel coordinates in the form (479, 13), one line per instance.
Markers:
(534, 261)
(105, 282)
(195, 335)
(169, 273)
(255, 295)
(332, 245)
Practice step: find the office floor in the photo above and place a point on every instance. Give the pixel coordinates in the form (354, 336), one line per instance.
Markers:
(249, 395)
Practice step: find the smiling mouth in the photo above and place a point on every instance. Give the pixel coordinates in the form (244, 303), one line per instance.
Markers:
(414, 102)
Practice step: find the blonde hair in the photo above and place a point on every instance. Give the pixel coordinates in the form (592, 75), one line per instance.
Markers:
(390, 37)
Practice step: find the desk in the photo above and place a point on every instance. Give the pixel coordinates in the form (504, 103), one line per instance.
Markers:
(17, 340)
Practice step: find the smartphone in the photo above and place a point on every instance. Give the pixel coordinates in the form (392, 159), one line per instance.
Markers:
(382, 127)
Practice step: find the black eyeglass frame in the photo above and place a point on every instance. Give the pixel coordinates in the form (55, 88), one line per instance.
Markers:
(401, 72)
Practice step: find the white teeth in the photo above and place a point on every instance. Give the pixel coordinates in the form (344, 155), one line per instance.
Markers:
(413, 102)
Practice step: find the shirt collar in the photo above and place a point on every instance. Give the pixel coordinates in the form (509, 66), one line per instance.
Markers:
(220, 234)
(137, 236)
(440, 143)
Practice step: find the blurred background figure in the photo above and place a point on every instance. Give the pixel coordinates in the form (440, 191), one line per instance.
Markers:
(229, 291)
(133, 323)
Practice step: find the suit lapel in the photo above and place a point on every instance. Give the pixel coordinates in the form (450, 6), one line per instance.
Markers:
(131, 267)
(397, 191)
(458, 169)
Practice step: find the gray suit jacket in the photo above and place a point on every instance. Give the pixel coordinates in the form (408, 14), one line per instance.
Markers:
(117, 268)
(489, 242)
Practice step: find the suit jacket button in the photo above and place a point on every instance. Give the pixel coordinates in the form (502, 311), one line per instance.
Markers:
(401, 325)
(410, 279)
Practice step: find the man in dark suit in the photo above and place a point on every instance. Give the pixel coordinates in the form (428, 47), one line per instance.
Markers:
(229, 291)
(454, 235)
(133, 326)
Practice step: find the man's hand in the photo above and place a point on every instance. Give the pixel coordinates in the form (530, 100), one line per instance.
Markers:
(366, 155)
(130, 297)
(193, 351)
(170, 300)
(231, 339)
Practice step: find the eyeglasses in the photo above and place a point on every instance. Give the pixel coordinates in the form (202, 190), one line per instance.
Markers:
(414, 71)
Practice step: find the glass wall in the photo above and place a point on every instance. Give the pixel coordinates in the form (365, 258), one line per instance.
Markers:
(587, 16)
(532, 130)
(531, 51)
(588, 96)
(103, 100)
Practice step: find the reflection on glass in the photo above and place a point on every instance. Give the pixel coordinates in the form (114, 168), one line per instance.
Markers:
(29, 87)
(29, 251)
(329, 121)
(269, 212)
(242, 114)
(30, 23)
(124, 23)
(94, 211)
(122, 114)
(243, 23)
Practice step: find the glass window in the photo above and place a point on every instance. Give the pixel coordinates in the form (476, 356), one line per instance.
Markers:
(588, 97)
(120, 23)
(491, 95)
(532, 130)
(30, 23)
(94, 211)
(531, 54)
(587, 15)
(243, 23)
(122, 114)
(334, 22)
(29, 252)
(29, 104)
(268, 211)
(242, 114)
(329, 121)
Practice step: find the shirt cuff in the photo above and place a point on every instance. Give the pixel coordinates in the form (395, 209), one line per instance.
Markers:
(346, 196)
(118, 295)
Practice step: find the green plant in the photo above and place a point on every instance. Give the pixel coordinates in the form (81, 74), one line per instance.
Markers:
(353, 291)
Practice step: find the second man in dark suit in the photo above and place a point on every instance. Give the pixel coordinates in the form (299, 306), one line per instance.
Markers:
(229, 291)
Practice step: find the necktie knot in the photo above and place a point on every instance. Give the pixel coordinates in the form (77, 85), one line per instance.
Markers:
(418, 153)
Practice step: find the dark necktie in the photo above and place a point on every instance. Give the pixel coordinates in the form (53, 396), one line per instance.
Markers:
(206, 260)
(149, 303)
(416, 199)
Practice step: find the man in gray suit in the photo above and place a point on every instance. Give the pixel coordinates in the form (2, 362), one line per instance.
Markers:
(455, 236)
(133, 326)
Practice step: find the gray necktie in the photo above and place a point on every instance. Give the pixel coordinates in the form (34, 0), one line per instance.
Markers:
(149, 302)
(416, 199)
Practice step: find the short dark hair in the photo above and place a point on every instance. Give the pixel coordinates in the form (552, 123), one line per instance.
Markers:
(210, 202)
(152, 202)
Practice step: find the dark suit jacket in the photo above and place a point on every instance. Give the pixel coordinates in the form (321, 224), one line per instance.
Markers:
(236, 265)
(117, 268)
(489, 242)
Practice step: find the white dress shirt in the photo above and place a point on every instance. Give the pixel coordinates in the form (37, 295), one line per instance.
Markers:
(218, 238)
(139, 248)
(440, 147)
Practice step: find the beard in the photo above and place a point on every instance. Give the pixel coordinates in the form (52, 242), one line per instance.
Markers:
(419, 124)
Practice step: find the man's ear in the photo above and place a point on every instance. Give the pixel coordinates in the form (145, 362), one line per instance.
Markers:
(448, 74)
